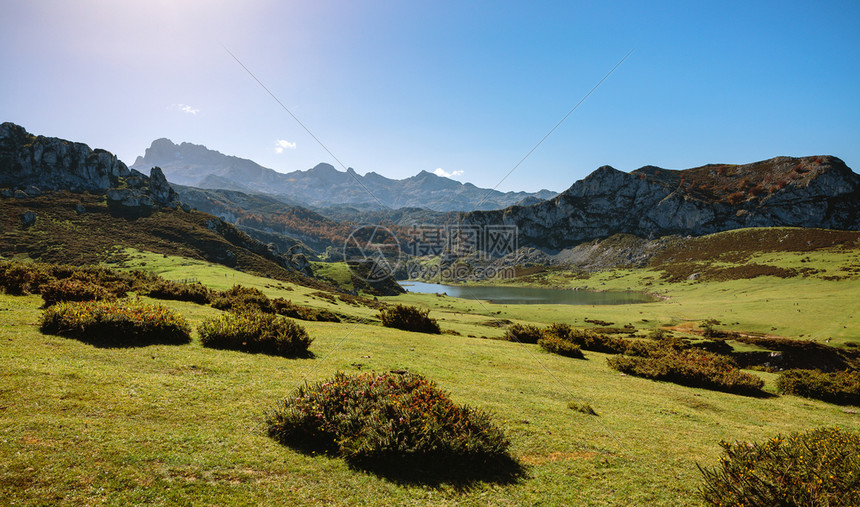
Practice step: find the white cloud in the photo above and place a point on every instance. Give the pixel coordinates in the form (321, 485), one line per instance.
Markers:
(281, 145)
(185, 108)
(445, 174)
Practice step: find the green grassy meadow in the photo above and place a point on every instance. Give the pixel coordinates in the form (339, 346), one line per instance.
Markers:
(183, 424)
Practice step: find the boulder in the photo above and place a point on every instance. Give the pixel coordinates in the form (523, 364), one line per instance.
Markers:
(159, 188)
(28, 218)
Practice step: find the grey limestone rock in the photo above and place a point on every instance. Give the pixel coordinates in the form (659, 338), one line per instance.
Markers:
(32, 164)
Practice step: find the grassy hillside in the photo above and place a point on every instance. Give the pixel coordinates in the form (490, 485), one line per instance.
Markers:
(184, 424)
(63, 233)
(796, 283)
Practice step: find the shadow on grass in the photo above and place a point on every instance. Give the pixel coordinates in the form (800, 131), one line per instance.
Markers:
(305, 354)
(434, 470)
(428, 470)
(118, 340)
(748, 392)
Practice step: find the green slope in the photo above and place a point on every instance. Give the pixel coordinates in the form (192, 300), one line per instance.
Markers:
(183, 424)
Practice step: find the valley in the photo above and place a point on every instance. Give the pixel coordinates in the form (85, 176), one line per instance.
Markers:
(187, 423)
(429, 254)
(169, 423)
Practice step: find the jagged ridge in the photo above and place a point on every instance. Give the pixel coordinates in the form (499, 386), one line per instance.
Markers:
(652, 202)
(323, 185)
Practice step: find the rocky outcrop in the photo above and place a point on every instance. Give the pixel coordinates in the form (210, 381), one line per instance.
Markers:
(49, 163)
(652, 202)
(28, 218)
(30, 165)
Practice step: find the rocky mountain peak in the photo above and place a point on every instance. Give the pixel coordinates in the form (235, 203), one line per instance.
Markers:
(323, 169)
(322, 185)
(36, 164)
(818, 191)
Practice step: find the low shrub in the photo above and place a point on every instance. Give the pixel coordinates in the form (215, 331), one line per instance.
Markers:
(559, 330)
(250, 331)
(396, 420)
(18, 278)
(70, 289)
(841, 387)
(116, 323)
(523, 333)
(583, 407)
(168, 289)
(239, 298)
(816, 467)
(586, 339)
(641, 348)
(659, 334)
(242, 298)
(691, 367)
(556, 345)
(409, 318)
(287, 308)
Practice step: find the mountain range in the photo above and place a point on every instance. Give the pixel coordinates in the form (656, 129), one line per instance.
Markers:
(323, 185)
(40, 178)
(819, 191)
(62, 202)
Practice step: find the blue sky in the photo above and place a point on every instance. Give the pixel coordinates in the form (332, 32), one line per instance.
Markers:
(397, 87)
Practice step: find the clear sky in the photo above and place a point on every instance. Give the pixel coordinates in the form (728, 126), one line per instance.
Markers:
(469, 88)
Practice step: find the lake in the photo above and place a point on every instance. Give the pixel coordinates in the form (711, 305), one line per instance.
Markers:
(528, 295)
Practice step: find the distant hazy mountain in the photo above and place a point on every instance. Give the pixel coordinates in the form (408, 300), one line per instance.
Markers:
(322, 186)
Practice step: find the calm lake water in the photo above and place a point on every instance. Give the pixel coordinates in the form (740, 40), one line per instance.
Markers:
(528, 295)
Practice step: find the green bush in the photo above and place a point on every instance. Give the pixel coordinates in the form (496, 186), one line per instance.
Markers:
(70, 289)
(409, 318)
(287, 308)
(389, 419)
(168, 289)
(561, 347)
(33, 277)
(816, 467)
(243, 298)
(116, 323)
(256, 332)
(691, 367)
(523, 333)
(642, 348)
(559, 330)
(659, 334)
(240, 298)
(842, 387)
(583, 407)
(18, 278)
(586, 339)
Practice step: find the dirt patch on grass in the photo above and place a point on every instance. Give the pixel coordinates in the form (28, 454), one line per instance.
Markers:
(696, 403)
